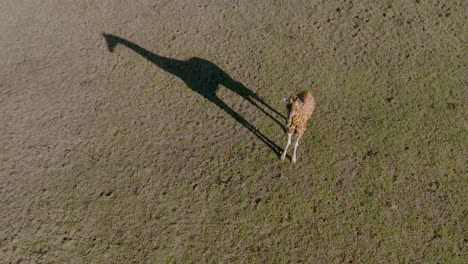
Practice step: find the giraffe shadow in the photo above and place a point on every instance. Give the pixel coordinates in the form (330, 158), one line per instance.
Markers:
(205, 78)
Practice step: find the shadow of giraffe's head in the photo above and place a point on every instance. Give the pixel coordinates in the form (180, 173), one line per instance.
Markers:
(111, 41)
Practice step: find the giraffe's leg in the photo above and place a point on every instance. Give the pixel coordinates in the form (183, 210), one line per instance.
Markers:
(295, 148)
(287, 145)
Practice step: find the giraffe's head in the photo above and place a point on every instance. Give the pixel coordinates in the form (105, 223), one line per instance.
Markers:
(292, 102)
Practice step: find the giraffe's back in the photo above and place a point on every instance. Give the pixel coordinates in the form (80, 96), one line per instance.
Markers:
(309, 103)
(302, 115)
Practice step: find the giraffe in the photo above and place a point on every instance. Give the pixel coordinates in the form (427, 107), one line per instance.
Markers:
(301, 108)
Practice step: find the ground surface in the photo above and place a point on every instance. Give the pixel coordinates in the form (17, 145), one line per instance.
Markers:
(128, 157)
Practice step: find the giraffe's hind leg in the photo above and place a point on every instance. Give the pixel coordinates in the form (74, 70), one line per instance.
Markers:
(287, 146)
(294, 159)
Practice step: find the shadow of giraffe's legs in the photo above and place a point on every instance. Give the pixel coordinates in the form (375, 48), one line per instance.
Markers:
(246, 124)
(253, 102)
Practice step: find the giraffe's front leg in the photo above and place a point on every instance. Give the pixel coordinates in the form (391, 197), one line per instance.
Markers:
(287, 146)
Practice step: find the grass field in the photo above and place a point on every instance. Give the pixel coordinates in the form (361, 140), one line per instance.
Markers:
(145, 148)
